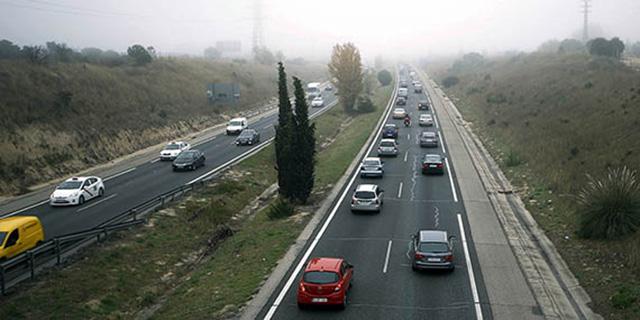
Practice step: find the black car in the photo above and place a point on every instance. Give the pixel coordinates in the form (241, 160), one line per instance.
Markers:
(390, 130)
(189, 160)
(423, 105)
(248, 137)
(433, 164)
(402, 101)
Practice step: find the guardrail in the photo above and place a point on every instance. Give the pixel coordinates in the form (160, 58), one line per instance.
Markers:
(55, 251)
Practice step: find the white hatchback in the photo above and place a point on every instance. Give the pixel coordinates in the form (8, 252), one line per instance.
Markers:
(76, 191)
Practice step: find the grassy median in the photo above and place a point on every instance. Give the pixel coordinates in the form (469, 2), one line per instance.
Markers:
(203, 257)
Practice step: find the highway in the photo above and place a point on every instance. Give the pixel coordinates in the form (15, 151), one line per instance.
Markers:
(136, 185)
(385, 287)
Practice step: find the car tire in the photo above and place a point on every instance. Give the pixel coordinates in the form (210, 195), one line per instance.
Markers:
(302, 306)
(101, 192)
(343, 305)
(81, 200)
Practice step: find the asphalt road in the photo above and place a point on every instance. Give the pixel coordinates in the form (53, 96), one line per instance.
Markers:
(139, 184)
(385, 287)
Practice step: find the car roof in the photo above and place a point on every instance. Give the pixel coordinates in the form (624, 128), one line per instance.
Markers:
(190, 151)
(428, 133)
(432, 236)
(425, 115)
(324, 264)
(423, 101)
(390, 125)
(371, 159)
(238, 119)
(387, 140)
(8, 224)
(366, 187)
(81, 179)
(433, 157)
(175, 142)
(245, 131)
(398, 109)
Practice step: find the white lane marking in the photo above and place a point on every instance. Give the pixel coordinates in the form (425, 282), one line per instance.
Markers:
(441, 142)
(435, 119)
(25, 209)
(154, 160)
(408, 136)
(267, 127)
(96, 203)
(400, 190)
(406, 153)
(386, 259)
(472, 278)
(305, 256)
(118, 174)
(453, 188)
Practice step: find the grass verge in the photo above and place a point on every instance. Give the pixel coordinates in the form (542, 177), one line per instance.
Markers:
(185, 263)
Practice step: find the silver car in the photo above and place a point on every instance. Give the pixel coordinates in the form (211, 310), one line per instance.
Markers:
(371, 167)
(367, 197)
(425, 120)
(428, 139)
(388, 147)
(432, 249)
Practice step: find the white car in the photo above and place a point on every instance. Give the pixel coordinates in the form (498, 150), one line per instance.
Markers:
(76, 191)
(236, 125)
(399, 113)
(173, 149)
(425, 120)
(317, 102)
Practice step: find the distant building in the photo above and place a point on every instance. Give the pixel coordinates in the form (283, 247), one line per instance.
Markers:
(229, 48)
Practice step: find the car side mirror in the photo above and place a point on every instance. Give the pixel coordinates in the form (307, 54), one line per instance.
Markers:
(349, 266)
(381, 162)
(381, 190)
(452, 238)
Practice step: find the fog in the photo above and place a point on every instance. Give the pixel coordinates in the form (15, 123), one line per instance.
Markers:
(310, 28)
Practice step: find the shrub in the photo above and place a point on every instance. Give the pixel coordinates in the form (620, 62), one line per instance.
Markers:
(624, 297)
(610, 205)
(512, 160)
(384, 77)
(281, 208)
(365, 105)
(450, 81)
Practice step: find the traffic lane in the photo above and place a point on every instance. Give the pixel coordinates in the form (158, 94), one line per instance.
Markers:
(144, 183)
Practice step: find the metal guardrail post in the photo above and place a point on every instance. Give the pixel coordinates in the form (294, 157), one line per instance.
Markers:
(58, 253)
(134, 213)
(162, 202)
(32, 264)
(2, 285)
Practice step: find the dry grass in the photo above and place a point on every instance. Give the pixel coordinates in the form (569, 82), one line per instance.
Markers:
(564, 116)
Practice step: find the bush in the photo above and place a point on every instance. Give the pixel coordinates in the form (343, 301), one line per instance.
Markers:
(450, 81)
(385, 78)
(279, 209)
(610, 206)
(365, 105)
(624, 297)
(512, 160)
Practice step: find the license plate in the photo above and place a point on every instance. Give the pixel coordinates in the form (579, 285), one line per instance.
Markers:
(433, 259)
(433, 166)
(319, 300)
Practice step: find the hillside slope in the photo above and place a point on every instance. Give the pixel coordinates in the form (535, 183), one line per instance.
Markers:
(58, 119)
(550, 120)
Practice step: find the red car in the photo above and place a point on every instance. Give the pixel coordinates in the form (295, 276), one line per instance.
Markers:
(325, 281)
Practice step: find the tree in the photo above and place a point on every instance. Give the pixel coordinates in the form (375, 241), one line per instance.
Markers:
(8, 50)
(346, 69)
(571, 46)
(212, 53)
(385, 78)
(608, 48)
(549, 46)
(35, 54)
(262, 55)
(59, 52)
(139, 54)
(284, 132)
(304, 146)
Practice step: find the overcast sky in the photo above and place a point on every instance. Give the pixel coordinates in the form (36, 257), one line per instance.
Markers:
(310, 28)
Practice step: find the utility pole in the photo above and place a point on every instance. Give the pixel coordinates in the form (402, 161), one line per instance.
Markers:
(586, 9)
(258, 36)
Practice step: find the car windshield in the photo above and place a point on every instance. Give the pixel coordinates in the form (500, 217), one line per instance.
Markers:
(433, 247)
(2, 236)
(432, 158)
(70, 185)
(399, 110)
(371, 162)
(425, 116)
(172, 147)
(235, 123)
(185, 155)
(387, 144)
(389, 127)
(317, 99)
(428, 135)
(320, 277)
(246, 134)
(365, 195)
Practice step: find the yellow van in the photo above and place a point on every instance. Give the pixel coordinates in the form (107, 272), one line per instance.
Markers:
(18, 234)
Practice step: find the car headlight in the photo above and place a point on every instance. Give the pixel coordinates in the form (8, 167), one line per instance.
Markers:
(75, 194)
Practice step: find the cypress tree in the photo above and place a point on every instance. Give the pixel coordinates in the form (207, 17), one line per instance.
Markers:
(284, 137)
(304, 143)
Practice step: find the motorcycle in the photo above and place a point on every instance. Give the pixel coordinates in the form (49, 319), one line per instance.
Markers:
(407, 122)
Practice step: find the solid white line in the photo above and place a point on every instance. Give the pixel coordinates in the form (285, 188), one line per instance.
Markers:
(386, 259)
(25, 209)
(154, 160)
(435, 119)
(96, 203)
(453, 188)
(267, 127)
(305, 257)
(472, 278)
(400, 190)
(408, 136)
(406, 153)
(441, 142)
(118, 174)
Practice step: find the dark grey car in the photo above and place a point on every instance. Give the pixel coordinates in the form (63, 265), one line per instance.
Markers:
(189, 160)
(432, 249)
(428, 139)
(248, 137)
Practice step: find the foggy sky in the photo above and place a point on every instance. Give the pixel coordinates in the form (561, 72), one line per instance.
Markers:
(310, 28)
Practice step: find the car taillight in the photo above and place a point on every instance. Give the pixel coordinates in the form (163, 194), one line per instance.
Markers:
(425, 165)
(448, 258)
(439, 165)
(418, 256)
(353, 200)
